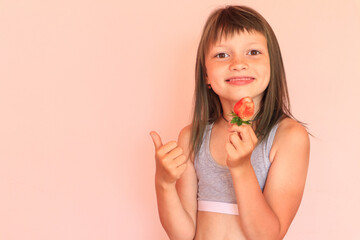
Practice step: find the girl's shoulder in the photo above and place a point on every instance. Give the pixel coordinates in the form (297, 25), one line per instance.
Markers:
(288, 131)
(290, 126)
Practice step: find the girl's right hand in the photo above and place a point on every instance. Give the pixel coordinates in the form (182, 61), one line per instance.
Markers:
(170, 161)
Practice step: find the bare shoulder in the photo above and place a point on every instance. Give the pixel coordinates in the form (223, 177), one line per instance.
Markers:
(289, 131)
(292, 126)
(184, 140)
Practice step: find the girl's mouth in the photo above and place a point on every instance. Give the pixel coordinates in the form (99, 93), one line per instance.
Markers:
(240, 81)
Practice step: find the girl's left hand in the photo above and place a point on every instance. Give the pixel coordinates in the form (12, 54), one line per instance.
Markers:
(242, 142)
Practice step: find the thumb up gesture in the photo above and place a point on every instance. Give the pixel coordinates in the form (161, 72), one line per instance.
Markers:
(170, 160)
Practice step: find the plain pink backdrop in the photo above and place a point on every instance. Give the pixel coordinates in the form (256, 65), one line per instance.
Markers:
(82, 83)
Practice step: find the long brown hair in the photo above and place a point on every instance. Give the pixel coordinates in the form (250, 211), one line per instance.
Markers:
(275, 104)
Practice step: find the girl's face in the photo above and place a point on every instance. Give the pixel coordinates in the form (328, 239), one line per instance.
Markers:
(239, 66)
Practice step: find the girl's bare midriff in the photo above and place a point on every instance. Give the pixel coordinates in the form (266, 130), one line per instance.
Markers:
(218, 226)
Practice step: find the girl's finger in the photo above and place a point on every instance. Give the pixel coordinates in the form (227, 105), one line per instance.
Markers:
(242, 130)
(156, 139)
(234, 139)
(231, 151)
(253, 136)
(235, 128)
(247, 134)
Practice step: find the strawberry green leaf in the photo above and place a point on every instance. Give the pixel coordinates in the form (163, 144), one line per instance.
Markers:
(247, 122)
(236, 119)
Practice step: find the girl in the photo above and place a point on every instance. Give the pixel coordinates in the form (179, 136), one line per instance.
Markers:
(220, 180)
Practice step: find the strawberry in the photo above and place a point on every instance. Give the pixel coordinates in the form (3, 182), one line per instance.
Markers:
(243, 111)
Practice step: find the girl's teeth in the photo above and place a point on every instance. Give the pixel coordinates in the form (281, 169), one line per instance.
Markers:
(232, 80)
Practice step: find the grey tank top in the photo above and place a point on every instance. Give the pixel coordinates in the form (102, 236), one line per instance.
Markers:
(215, 181)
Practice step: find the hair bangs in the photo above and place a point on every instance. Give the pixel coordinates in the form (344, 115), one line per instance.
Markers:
(228, 23)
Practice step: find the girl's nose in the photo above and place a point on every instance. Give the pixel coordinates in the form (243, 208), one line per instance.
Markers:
(238, 64)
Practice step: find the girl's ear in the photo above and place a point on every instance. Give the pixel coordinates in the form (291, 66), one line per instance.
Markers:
(207, 81)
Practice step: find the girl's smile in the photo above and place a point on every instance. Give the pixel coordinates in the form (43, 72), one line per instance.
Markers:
(240, 80)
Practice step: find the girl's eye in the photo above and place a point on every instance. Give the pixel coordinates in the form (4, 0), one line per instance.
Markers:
(221, 55)
(254, 52)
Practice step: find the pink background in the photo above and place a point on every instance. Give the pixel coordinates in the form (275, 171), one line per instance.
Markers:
(82, 83)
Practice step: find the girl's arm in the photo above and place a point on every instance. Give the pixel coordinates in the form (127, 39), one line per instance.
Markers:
(268, 215)
(177, 203)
